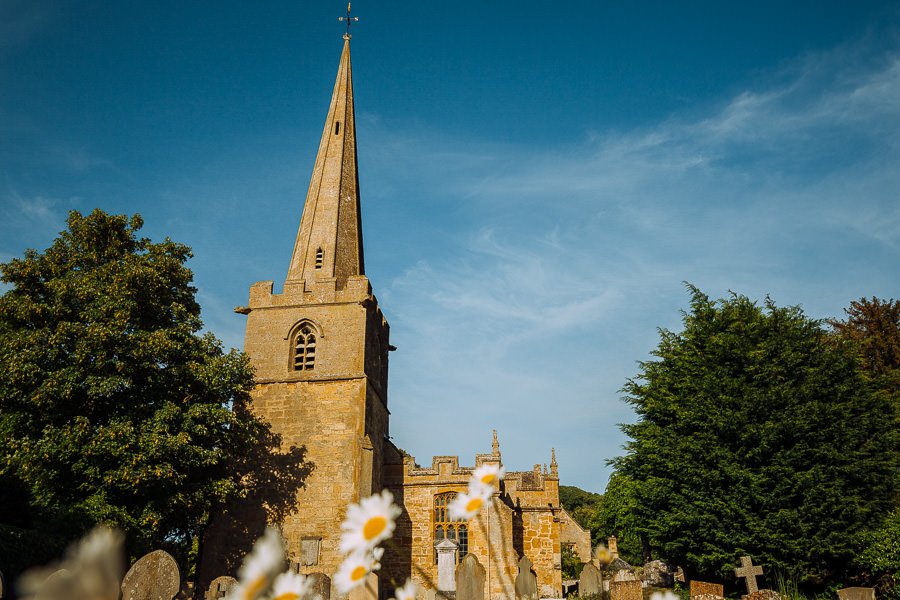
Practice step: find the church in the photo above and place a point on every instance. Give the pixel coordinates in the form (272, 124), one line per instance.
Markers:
(320, 350)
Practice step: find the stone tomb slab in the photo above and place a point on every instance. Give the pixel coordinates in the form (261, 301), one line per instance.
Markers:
(154, 577)
(626, 590)
(704, 588)
(856, 593)
(762, 595)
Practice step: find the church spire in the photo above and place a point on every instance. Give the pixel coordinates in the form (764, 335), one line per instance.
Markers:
(329, 243)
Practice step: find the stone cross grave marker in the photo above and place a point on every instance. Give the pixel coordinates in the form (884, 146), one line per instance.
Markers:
(154, 577)
(526, 581)
(470, 579)
(749, 571)
(626, 590)
(850, 593)
(220, 586)
(590, 582)
(702, 588)
(446, 550)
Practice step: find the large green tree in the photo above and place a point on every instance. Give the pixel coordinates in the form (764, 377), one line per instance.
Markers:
(756, 435)
(114, 407)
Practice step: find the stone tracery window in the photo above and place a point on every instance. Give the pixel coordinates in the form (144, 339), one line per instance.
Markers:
(446, 528)
(305, 349)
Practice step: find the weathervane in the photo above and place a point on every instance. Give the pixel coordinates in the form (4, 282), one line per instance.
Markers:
(348, 18)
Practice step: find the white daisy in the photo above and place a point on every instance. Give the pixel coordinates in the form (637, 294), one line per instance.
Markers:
(353, 571)
(260, 567)
(407, 592)
(667, 595)
(290, 586)
(488, 475)
(369, 522)
(467, 505)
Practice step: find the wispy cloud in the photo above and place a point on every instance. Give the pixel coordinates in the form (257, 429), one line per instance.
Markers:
(565, 260)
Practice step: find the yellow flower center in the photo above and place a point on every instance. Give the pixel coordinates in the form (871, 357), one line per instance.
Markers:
(358, 573)
(488, 478)
(474, 504)
(374, 527)
(287, 596)
(254, 588)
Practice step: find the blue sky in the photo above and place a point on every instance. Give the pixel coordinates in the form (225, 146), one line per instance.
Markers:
(537, 179)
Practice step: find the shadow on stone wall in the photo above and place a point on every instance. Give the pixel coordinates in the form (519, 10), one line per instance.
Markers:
(273, 479)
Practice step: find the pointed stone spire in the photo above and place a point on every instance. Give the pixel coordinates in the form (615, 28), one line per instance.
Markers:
(495, 446)
(329, 243)
(554, 468)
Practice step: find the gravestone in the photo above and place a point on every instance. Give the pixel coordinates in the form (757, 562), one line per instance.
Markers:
(590, 582)
(446, 551)
(702, 588)
(526, 581)
(626, 590)
(220, 587)
(470, 579)
(850, 593)
(153, 577)
(750, 572)
(319, 585)
(657, 574)
(679, 575)
(2, 586)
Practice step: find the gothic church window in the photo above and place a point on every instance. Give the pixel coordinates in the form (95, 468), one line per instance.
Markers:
(445, 527)
(305, 349)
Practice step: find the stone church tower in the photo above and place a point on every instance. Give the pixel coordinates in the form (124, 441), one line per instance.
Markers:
(320, 348)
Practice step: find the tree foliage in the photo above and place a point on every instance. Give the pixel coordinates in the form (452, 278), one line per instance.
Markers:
(755, 435)
(113, 407)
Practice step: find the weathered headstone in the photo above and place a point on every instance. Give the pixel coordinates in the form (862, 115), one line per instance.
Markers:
(703, 588)
(446, 551)
(470, 579)
(154, 577)
(657, 574)
(679, 575)
(2, 586)
(626, 590)
(749, 571)
(590, 582)
(526, 581)
(850, 593)
(220, 587)
(319, 585)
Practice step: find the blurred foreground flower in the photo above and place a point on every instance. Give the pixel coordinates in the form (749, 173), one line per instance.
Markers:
(369, 523)
(353, 571)
(667, 595)
(488, 475)
(260, 567)
(407, 592)
(467, 505)
(92, 570)
(602, 554)
(290, 586)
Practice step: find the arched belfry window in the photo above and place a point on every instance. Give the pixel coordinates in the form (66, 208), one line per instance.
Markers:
(305, 348)
(446, 528)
